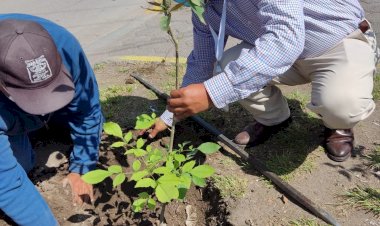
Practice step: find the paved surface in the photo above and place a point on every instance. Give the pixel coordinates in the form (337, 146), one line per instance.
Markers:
(109, 28)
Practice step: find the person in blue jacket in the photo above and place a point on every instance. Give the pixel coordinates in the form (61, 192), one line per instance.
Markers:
(43, 70)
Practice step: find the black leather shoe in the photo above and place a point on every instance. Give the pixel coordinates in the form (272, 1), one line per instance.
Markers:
(257, 133)
(339, 143)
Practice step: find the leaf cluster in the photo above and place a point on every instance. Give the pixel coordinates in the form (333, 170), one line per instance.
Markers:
(167, 7)
(165, 175)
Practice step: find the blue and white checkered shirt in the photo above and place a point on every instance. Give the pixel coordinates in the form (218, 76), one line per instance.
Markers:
(281, 32)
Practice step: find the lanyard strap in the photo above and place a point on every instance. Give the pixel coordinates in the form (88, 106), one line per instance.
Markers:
(219, 38)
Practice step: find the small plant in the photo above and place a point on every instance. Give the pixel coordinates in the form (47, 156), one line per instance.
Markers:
(166, 7)
(167, 175)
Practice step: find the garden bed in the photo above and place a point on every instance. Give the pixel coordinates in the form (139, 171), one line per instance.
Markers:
(236, 194)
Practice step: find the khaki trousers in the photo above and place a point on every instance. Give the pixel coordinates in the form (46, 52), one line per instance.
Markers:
(341, 80)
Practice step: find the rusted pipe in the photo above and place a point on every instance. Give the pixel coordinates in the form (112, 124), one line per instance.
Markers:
(259, 165)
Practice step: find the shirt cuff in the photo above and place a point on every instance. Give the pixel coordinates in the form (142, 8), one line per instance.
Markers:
(80, 168)
(220, 90)
(167, 118)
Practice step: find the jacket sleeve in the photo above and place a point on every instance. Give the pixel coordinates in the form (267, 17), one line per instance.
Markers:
(19, 198)
(84, 112)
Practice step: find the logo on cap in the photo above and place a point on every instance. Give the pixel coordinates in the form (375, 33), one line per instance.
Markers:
(38, 69)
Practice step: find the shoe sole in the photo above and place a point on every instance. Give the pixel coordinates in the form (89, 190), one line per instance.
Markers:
(338, 159)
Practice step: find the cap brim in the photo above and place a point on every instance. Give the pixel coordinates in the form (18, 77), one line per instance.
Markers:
(53, 97)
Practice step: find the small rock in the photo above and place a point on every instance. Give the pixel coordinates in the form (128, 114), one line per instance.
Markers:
(284, 199)
(56, 159)
(191, 213)
(249, 222)
(129, 81)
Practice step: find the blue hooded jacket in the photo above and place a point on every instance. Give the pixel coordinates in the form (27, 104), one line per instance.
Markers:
(18, 197)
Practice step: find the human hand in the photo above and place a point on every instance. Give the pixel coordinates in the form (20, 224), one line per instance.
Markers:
(80, 191)
(189, 101)
(157, 127)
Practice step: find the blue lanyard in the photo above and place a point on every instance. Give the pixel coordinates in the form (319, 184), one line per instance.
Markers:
(219, 38)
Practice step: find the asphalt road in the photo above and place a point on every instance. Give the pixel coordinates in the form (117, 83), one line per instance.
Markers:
(110, 28)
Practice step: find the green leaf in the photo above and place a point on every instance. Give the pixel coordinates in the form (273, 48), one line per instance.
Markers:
(138, 205)
(188, 166)
(154, 115)
(151, 204)
(170, 179)
(202, 171)
(161, 170)
(155, 158)
(209, 147)
(136, 165)
(197, 2)
(130, 151)
(138, 175)
(120, 178)
(117, 144)
(201, 182)
(115, 169)
(179, 157)
(96, 176)
(182, 193)
(198, 10)
(148, 148)
(113, 129)
(144, 121)
(140, 142)
(146, 183)
(169, 163)
(185, 180)
(143, 195)
(166, 192)
(164, 23)
(139, 152)
(128, 137)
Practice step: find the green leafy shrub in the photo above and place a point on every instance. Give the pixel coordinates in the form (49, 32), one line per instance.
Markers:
(166, 175)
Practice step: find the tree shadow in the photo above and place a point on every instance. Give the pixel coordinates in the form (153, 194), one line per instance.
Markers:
(285, 151)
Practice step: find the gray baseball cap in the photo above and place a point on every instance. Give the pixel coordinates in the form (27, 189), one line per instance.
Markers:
(31, 70)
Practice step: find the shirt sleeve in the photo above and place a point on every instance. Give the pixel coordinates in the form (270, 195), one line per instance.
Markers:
(273, 53)
(200, 62)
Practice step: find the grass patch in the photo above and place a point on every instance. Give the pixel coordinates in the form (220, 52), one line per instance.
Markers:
(99, 66)
(364, 198)
(112, 100)
(376, 87)
(123, 70)
(305, 222)
(284, 163)
(230, 186)
(294, 150)
(374, 159)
